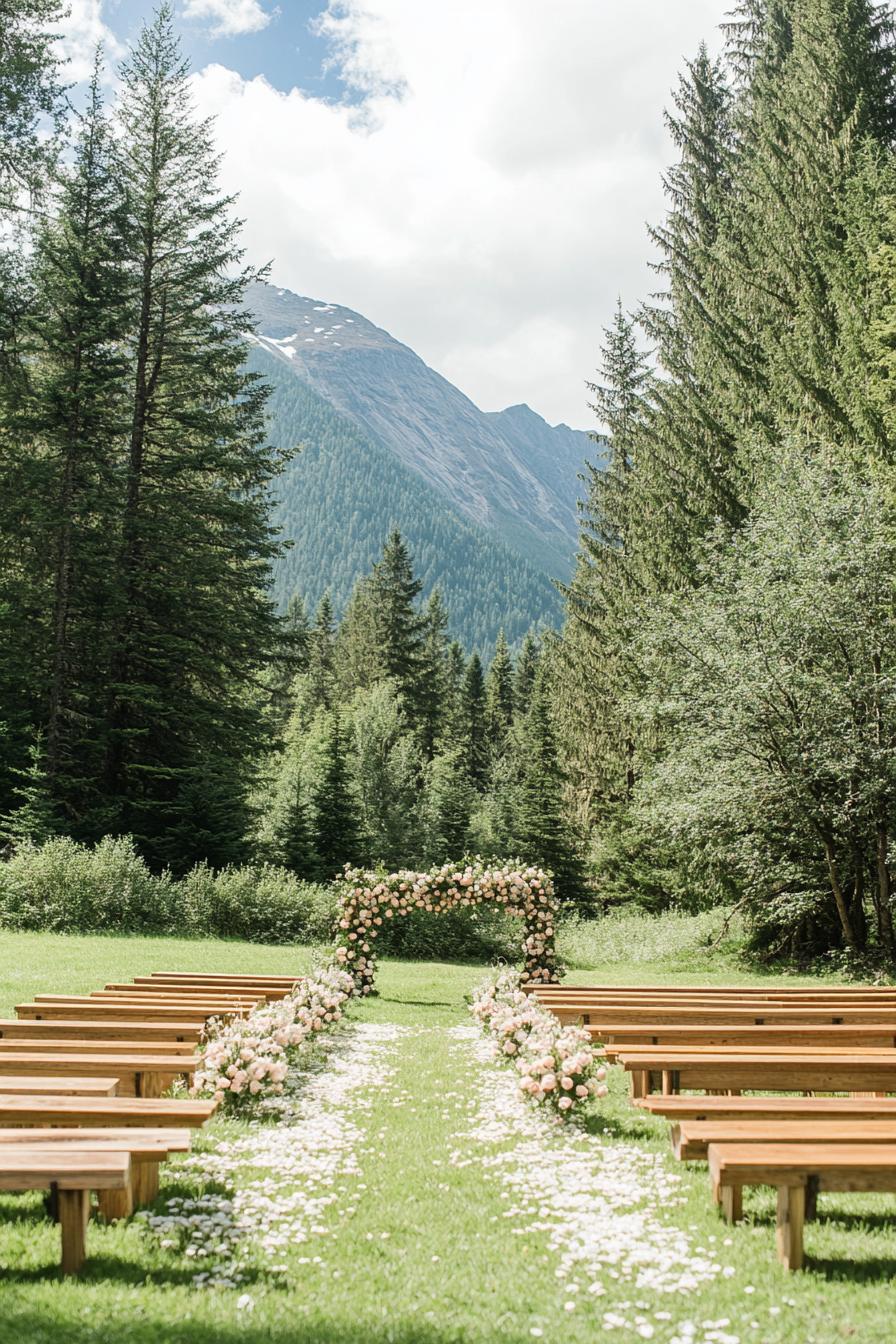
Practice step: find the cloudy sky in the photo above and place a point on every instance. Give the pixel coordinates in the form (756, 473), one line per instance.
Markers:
(473, 175)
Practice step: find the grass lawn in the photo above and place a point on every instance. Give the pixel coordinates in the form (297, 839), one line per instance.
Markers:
(427, 1253)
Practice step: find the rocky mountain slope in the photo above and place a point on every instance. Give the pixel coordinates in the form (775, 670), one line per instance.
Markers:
(498, 488)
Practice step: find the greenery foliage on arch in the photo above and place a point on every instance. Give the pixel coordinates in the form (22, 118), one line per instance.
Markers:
(371, 898)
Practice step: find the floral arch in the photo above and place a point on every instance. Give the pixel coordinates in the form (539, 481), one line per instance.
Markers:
(372, 898)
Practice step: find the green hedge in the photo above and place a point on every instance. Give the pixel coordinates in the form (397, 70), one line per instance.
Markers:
(63, 887)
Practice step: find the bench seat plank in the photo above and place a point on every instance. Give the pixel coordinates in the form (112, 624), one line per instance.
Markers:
(178, 1112)
(736, 1015)
(53, 1085)
(768, 1108)
(96, 1010)
(691, 1138)
(80, 1029)
(50, 1045)
(138, 1075)
(807, 1034)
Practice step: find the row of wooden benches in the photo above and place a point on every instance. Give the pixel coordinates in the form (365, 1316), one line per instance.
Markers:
(81, 1083)
(722, 1041)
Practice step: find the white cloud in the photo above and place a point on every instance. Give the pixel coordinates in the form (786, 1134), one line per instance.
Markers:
(229, 18)
(82, 30)
(486, 200)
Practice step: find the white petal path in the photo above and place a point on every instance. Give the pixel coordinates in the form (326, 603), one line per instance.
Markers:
(279, 1179)
(601, 1207)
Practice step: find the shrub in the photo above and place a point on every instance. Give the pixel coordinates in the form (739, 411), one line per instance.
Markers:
(63, 887)
(263, 904)
(629, 934)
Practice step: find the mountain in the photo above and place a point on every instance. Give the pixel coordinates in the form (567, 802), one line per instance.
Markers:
(487, 500)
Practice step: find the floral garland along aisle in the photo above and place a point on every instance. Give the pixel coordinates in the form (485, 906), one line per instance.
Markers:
(371, 898)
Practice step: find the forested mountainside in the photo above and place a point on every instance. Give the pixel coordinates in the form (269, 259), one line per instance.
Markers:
(504, 486)
(342, 494)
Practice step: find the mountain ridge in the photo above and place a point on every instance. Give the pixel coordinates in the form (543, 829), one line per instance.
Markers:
(504, 482)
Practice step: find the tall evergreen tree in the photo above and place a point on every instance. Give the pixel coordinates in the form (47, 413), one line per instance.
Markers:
(499, 698)
(30, 99)
(475, 747)
(335, 821)
(596, 669)
(191, 623)
(321, 655)
(541, 831)
(401, 629)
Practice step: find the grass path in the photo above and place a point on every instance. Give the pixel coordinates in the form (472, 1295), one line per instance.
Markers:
(427, 1210)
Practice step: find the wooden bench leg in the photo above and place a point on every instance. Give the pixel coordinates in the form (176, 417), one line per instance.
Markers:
(115, 1204)
(639, 1083)
(74, 1209)
(811, 1210)
(789, 1232)
(731, 1198)
(146, 1182)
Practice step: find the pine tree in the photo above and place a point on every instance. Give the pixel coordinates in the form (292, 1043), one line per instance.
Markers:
(595, 668)
(31, 819)
(541, 833)
(401, 630)
(524, 672)
(435, 687)
(76, 411)
(192, 623)
(473, 739)
(292, 826)
(335, 821)
(59, 498)
(31, 97)
(448, 807)
(291, 660)
(321, 655)
(499, 698)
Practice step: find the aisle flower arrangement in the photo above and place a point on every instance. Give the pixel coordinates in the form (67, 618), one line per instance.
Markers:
(372, 898)
(247, 1058)
(557, 1065)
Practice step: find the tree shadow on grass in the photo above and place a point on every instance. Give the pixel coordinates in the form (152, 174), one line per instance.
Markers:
(874, 1269)
(419, 1003)
(29, 1325)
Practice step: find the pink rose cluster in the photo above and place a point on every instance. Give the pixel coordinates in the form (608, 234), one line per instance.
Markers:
(371, 899)
(247, 1058)
(557, 1065)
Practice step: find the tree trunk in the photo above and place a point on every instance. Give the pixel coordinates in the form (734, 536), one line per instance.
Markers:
(849, 937)
(883, 908)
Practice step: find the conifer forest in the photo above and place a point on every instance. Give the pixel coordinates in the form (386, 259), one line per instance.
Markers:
(703, 710)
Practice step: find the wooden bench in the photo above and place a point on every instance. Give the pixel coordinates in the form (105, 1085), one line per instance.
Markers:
(138, 1075)
(730, 1069)
(53, 1085)
(261, 988)
(746, 991)
(245, 994)
(863, 1034)
(691, 1138)
(103, 1029)
(72, 1175)
(95, 1010)
(226, 977)
(792, 1167)
(218, 1003)
(769, 1108)
(726, 1015)
(49, 1045)
(182, 1113)
(147, 1148)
